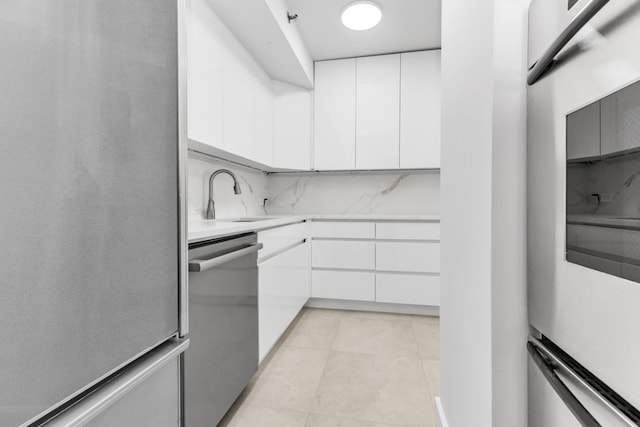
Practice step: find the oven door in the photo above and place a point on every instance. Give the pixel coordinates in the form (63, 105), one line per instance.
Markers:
(592, 315)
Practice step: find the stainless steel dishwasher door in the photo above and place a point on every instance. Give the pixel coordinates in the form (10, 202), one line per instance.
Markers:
(223, 316)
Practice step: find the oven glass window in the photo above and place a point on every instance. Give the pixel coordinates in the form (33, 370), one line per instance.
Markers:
(603, 185)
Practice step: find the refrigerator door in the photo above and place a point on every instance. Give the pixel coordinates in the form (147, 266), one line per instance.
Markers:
(593, 316)
(89, 189)
(144, 394)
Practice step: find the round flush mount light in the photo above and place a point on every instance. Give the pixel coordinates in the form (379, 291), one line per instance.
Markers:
(361, 15)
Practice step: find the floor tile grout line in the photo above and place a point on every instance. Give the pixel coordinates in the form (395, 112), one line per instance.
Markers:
(356, 419)
(324, 370)
(415, 339)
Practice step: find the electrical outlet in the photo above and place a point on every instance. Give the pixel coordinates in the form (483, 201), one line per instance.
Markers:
(606, 197)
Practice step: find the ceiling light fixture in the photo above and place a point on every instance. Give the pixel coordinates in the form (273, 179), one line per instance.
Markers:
(361, 15)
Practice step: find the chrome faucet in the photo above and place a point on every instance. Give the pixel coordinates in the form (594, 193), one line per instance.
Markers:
(211, 210)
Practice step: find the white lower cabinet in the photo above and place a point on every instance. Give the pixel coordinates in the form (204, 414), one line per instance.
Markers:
(344, 254)
(269, 304)
(348, 285)
(284, 280)
(387, 262)
(408, 289)
(415, 257)
(296, 281)
(408, 231)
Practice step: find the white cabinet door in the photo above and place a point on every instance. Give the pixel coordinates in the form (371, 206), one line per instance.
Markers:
(239, 115)
(408, 289)
(277, 239)
(334, 115)
(378, 112)
(269, 304)
(344, 254)
(350, 285)
(291, 127)
(263, 127)
(420, 109)
(408, 230)
(204, 75)
(583, 132)
(417, 257)
(621, 120)
(343, 230)
(296, 281)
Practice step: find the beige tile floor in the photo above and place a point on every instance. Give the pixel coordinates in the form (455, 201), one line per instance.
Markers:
(336, 368)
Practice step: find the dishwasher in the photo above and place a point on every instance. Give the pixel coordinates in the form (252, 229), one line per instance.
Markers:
(223, 327)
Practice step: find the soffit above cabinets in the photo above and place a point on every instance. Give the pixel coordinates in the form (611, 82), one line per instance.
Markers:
(262, 27)
(406, 25)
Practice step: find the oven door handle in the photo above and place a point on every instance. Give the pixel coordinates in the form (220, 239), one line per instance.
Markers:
(561, 41)
(199, 265)
(577, 409)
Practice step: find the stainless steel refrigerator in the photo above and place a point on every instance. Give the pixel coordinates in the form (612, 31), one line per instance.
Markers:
(91, 185)
(584, 213)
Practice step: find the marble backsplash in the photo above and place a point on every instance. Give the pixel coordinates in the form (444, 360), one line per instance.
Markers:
(355, 193)
(253, 184)
(614, 181)
(414, 193)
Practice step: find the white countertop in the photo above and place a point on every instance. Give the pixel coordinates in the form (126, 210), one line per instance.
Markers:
(617, 221)
(208, 229)
(375, 217)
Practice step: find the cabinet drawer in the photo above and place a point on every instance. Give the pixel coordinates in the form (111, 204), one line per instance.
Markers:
(343, 254)
(418, 257)
(408, 289)
(343, 230)
(408, 230)
(343, 285)
(276, 239)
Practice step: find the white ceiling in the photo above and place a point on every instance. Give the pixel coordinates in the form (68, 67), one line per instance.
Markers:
(406, 25)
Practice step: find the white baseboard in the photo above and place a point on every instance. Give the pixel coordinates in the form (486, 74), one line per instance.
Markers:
(339, 304)
(441, 419)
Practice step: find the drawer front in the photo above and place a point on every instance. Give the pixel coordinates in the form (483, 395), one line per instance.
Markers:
(276, 239)
(343, 230)
(408, 230)
(416, 257)
(343, 254)
(408, 289)
(347, 285)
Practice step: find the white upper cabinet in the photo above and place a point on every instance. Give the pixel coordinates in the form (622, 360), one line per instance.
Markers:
(420, 109)
(239, 114)
(263, 129)
(378, 112)
(621, 120)
(291, 127)
(583, 132)
(334, 114)
(204, 75)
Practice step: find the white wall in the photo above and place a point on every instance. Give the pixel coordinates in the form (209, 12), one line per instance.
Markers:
(483, 306)
(253, 184)
(355, 193)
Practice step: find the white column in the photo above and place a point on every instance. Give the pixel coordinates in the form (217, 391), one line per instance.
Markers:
(483, 270)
